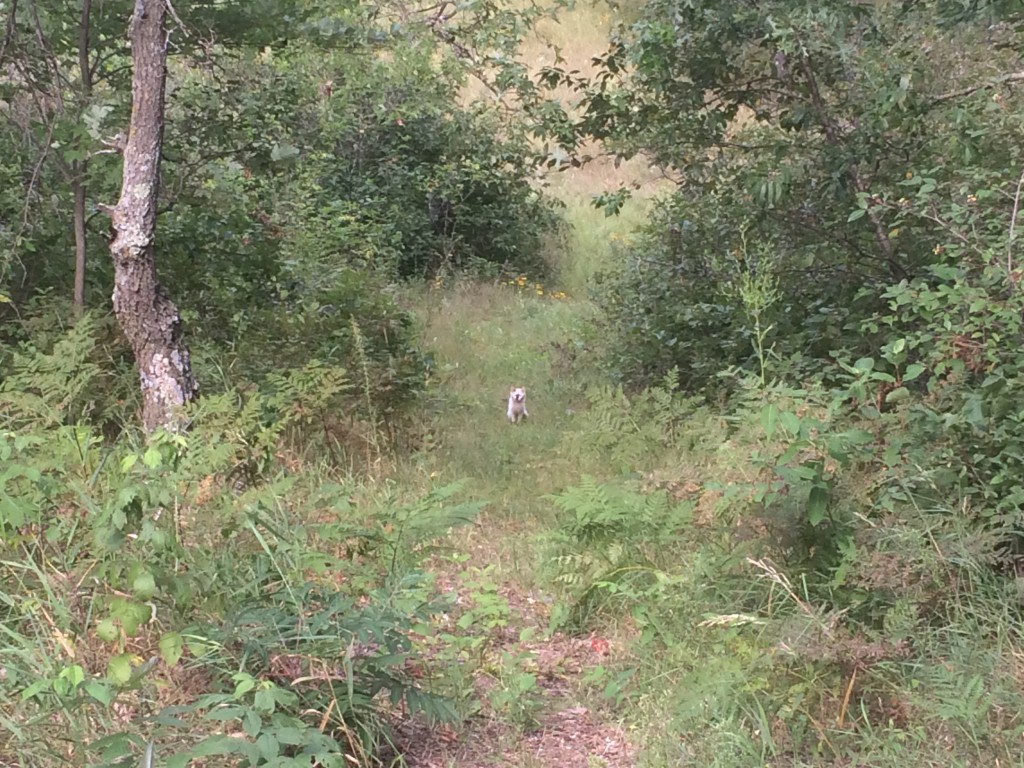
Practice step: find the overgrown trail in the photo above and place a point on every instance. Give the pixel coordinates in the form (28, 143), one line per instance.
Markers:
(488, 338)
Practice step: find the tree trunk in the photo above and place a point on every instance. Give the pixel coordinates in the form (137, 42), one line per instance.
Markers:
(148, 317)
(80, 168)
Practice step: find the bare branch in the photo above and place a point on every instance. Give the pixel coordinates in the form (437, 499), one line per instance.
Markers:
(1013, 224)
(1014, 77)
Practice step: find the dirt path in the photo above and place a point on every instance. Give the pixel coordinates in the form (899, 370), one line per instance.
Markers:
(535, 709)
(563, 730)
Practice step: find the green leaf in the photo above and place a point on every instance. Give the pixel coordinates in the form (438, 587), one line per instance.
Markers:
(171, 647)
(198, 646)
(291, 735)
(144, 586)
(74, 674)
(857, 214)
(114, 748)
(119, 668)
(152, 457)
(100, 691)
(106, 630)
(252, 723)
(817, 504)
(243, 685)
(769, 418)
(913, 371)
(264, 700)
(268, 746)
(790, 422)
(34, 689)
(225, 745)
(283, 152)
(897, 395)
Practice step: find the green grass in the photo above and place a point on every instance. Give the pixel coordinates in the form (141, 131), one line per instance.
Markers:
(591, 240)
(487, 339)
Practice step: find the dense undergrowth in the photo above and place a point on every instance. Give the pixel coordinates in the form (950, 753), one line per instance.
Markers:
(774, 446)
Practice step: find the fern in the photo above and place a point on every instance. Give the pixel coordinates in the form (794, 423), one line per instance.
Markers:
(49, 388)
(604, 544)
(631, 431)
(408, 530)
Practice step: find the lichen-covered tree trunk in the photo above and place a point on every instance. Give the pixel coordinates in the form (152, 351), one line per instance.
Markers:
(148, 317)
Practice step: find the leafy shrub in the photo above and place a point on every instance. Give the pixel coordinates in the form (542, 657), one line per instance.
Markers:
(340, 369)
(631, 432)
(356, 325)
(401, 179)
(817, 185)
(133, 570)
(64, 372)
(818, 569)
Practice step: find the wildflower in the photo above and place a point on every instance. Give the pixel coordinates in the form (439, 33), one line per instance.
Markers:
(972, 198)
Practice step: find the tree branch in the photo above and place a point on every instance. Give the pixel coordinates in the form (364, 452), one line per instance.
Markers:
(9, 31)
(1013, 224)
(1013, 77)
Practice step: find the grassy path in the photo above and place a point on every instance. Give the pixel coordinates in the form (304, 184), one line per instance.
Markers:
(486, 339)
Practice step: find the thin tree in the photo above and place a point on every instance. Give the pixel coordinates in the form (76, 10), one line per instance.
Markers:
(148, 317)
(80, 168)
